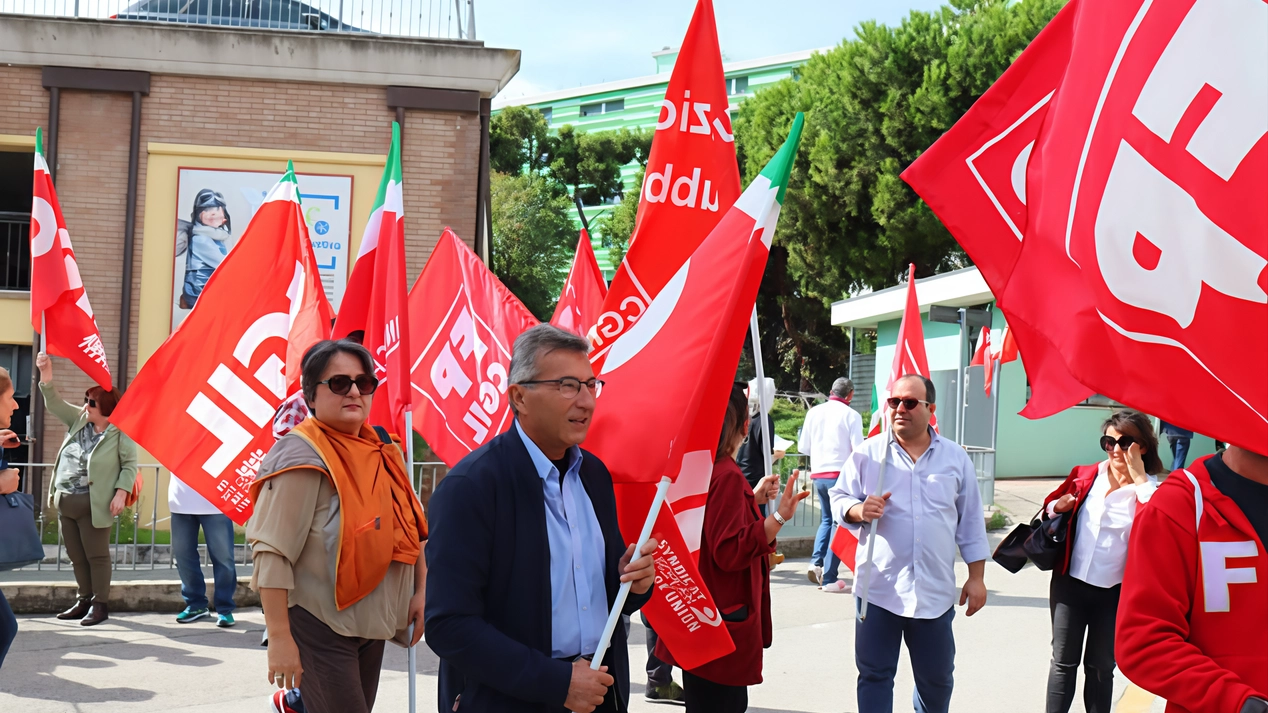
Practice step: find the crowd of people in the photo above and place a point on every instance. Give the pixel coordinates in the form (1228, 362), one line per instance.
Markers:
(513, 570)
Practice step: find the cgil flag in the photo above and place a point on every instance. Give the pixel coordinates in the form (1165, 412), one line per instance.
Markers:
(464, 322)
(581, 301)
(203, 404)
(59, 303)
(692, 178)
(376, 300)
(688, 344)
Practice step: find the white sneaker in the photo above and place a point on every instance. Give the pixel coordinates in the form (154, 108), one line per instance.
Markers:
(815, 574)
(837, 587)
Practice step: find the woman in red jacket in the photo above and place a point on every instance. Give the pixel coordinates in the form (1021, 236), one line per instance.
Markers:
(734, 544)
(1085, 585)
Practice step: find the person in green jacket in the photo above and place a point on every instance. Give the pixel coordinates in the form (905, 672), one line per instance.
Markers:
(92, 476)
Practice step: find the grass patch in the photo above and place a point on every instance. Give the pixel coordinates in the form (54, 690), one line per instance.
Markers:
(997, 521)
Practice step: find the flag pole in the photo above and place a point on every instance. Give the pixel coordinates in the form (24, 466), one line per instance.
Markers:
(413, 649)
(614, 616)
(768, 444)
(864, 580)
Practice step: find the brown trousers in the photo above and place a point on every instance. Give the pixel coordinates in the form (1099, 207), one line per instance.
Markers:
(341, 673)
(88, 547)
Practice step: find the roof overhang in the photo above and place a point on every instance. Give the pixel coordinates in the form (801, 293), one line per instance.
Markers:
(961, 288)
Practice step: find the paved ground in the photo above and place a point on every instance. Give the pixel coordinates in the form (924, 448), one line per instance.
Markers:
(138, 663)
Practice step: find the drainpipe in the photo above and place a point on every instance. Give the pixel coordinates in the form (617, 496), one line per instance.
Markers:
(129, 244)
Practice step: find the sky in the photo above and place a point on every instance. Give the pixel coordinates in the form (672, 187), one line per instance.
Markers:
(571, 43)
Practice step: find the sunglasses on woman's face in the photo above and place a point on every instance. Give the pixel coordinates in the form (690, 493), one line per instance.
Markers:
(89, 401)
(1124, 442)
(341, 384)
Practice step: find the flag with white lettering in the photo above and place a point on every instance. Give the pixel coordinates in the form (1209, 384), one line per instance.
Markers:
(59, 302)
(203, 404)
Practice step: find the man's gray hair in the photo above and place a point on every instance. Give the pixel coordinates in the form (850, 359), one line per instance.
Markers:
(842, 387)
(536, 343)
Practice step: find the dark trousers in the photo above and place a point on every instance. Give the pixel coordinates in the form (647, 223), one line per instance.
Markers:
(1179, 451)
(218, 531)
(931, 647)
(88, 547)
(708, 697)
(659, 673)
(1078, 607)
(8, 627)
(341, 673)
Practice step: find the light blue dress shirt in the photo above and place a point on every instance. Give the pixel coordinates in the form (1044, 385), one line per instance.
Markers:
(578, 595)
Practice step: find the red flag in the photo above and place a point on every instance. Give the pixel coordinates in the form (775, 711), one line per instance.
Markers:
(581, 301)
(464, 323)
(692, 179)
(379, 296)
(974, 180)
(983, 348)
(1006, 353)
(1147, 245)
(57, 292)
(203, 404)
(688, 343)
(844, 545)
(909, 351)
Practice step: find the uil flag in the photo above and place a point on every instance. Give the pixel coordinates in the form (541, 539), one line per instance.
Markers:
(974, 180)
(581, 301)
(1147, 239)
(688, 344)
(692, 179)
(377, 296)
(59, 302)
(203, 404)
(909, 352)
(464, 322)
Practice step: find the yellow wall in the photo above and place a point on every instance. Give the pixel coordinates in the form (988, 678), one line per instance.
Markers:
(15, 307)
(162, 167)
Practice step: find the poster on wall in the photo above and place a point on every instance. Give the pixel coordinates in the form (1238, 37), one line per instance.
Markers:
(214, 207)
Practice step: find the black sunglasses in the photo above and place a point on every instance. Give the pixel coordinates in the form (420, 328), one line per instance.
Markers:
(340, 384)
(89, 401)
(909, 404)
(1124, 442)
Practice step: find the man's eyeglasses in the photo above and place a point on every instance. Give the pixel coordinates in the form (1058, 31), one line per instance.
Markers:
(340, 384)
(1124, 442)
(569, 386)
(909, 404)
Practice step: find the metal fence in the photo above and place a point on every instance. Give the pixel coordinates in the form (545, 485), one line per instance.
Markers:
(135, 533)
(15, 249)
(984, 463)
(436, 19)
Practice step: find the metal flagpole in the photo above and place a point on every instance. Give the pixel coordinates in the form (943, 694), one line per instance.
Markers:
(864, 581)
(761, 396)
(614, 616)
(413, 649)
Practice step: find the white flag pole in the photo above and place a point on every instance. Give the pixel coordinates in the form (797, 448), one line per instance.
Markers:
(408, 439)
(864, 581)
(614, 616)
(43, 332)
(761, 396)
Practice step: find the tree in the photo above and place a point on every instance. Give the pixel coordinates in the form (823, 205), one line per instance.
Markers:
(533, 238)
(617, 225)
(590, 163)
(519, 141)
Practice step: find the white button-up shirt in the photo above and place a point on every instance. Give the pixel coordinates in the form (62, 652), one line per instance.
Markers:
(830, 434)
(935, 508)
(1103, 525)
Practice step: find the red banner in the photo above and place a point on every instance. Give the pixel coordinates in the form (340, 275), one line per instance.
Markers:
(581, 301)
(203, 404)
(463, 323)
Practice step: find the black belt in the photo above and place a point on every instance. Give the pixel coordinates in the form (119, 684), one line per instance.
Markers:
(574, 659)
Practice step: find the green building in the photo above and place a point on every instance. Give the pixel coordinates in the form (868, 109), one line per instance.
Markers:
(632, 104)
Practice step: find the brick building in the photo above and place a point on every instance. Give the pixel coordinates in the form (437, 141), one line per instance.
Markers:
(136, 112)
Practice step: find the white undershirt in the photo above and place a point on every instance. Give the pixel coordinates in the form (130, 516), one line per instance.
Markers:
(1104, 526)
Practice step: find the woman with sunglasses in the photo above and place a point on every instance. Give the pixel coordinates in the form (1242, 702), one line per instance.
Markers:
(92, 475)
(337, 538)
(1083, 599)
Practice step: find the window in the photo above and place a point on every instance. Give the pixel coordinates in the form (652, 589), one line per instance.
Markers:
(546, 112)
(736, 85)
(599, 108)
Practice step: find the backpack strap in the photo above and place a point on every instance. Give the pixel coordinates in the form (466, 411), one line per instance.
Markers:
(382, 433)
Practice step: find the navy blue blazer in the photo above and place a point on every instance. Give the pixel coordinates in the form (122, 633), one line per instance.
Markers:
(488, 614)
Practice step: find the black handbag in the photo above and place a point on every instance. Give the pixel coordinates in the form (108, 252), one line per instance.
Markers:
(1040, 541)
(19, 537)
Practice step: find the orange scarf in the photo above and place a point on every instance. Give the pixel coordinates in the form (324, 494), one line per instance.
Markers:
(380, 519)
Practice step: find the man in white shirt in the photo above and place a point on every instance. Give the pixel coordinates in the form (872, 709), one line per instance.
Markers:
(930, 507)
(831, 432)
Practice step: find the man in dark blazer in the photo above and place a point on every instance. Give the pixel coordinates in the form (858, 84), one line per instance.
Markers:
(524, 555)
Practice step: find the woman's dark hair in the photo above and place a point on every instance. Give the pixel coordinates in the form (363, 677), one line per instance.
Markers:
(733, 422)
(318, 357)
(106, 400)
(208, 199)
(1137, 425)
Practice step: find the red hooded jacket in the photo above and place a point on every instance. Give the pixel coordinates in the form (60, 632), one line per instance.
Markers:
(1078, 483)
(1193, 616)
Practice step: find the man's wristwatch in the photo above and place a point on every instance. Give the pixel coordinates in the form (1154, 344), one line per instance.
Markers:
(778, 518)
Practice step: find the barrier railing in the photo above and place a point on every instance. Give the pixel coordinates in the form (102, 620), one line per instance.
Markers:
(984, 463)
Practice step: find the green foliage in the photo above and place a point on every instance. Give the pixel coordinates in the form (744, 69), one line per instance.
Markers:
(872, 105)
(997, 522)
(519, 141)
(591, 162)
(617, 225)
(533, 238)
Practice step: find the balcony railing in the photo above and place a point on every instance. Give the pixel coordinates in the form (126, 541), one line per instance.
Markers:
(436, 19)
(15, 251)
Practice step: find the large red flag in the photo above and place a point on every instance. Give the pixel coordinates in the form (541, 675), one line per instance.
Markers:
(974, 180)
(464, 323)
(1145, 257)
(59, 302)
(581, 301)
(688, 346)
(909, 351)
(203, 404)
(692, 179)
(377, 296)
